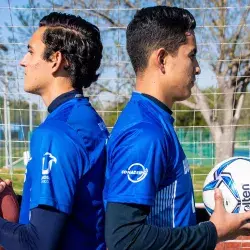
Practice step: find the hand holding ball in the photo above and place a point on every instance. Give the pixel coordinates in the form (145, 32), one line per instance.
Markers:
(9, 207)
(232, 177)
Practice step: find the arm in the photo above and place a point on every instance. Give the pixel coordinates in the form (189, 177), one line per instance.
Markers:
(46, 202)
(126, 228)
(43, 232)
(126, 225)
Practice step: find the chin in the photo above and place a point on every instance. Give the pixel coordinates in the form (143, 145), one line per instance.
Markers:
(30, 90)
(183, 97)
(27, 89)
(187, 94)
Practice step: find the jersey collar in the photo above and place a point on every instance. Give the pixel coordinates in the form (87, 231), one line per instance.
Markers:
(159, 103)
(63, 98)
(163, 109)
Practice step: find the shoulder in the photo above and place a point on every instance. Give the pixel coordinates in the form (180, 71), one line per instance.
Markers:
(147, 129)
(138, 134)
(54, 135)
(142, 128)
(139, 118)
(86, 121)
(75, 111)
(50, 128)
(53, 145)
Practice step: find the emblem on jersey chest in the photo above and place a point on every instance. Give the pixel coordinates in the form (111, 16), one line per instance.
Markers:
(136, 172)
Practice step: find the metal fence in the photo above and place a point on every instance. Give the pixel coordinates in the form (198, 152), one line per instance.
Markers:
(223, 53)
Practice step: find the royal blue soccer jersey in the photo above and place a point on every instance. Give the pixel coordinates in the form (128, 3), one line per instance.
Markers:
(66, 171)
(147, 165)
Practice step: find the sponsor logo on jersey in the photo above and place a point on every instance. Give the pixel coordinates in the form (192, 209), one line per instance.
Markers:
(136, 172)
(47, 163)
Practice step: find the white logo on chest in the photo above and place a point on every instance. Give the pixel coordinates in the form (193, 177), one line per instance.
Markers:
(49, 159)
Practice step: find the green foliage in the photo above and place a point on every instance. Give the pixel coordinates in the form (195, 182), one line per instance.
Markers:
(19, 112)
(112, 113)
(185, 116)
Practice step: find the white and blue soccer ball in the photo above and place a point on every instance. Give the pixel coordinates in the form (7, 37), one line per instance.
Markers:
(232, 177)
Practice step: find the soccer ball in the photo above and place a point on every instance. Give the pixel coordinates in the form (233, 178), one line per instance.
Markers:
(232, 177)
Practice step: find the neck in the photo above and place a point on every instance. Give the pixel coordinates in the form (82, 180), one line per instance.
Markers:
(54, 90)
(150, 84)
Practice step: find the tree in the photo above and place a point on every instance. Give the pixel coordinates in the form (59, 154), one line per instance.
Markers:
(3, 49)
(229, 52)
(232, 68)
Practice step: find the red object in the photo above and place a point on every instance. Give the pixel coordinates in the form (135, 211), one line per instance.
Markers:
(241, 243)
(9, 207)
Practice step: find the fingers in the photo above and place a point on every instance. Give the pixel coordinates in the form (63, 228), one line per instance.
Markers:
(218, 194)
(218, 200)
(2, 186)
(244, 231)
(245, 217)
(8, 182)
(246, 226)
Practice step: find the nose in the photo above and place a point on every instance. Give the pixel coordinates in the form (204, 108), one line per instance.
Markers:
(197, 68)
(23, 62)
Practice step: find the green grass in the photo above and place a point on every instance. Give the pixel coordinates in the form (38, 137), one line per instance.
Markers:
(18, 168)
(199, 175)
(17, 178)
(17, 152)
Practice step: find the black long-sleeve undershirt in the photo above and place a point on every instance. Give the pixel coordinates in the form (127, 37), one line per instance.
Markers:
(42, 233)
(126, 228)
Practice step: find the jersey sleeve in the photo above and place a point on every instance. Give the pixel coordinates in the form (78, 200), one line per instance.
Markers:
(136, 163)
(55, 169)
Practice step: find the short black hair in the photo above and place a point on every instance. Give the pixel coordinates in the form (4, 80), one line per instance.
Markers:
(157, 27)
(79, 42)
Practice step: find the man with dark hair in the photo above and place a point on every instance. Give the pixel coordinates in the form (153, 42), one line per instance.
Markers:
(149, 191)
(62, 204)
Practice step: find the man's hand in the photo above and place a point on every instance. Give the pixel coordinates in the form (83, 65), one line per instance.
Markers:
(228, 225)
(4, 183)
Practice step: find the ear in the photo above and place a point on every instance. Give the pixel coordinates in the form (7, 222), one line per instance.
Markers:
(161, 59)
(57, 61)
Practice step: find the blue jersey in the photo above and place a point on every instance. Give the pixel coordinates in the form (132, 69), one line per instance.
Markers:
(67, 171)
(147, 165)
